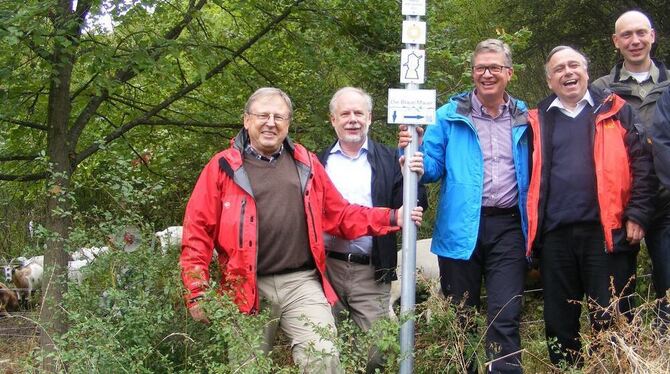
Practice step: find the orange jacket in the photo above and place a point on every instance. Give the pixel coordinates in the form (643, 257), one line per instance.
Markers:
(624, 179)
(221, 214)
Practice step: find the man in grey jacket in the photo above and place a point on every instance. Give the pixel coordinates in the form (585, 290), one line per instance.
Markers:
(639, 79)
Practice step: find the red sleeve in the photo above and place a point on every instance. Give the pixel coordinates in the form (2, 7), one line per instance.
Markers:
(345, 220)
(200, 222)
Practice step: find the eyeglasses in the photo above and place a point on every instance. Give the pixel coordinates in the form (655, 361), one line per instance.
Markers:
(493, 69)
(265, 117)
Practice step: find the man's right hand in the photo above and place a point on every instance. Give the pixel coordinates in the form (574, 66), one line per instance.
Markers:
(198, 314)
(404, 136)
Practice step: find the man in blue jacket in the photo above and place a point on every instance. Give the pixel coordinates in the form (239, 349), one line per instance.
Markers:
(478, 150)
(366, 173)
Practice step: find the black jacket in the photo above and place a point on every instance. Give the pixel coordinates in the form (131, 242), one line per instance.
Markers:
(386, 192)
(660, 138)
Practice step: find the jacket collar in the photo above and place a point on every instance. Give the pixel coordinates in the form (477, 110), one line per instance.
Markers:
(662, 71)
(605, 102)
(463, 104)
(241, 140)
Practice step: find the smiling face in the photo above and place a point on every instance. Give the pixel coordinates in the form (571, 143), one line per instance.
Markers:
(567, 76)
(633, 37)
(267, 136)
(491, 86)
(351, 118)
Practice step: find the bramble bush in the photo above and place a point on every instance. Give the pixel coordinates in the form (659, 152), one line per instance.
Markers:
(128, 316)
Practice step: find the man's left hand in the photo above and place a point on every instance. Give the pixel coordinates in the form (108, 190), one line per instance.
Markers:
(415, 163)
(634, 232)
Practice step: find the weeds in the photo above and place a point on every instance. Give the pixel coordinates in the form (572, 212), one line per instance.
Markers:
(128, 316)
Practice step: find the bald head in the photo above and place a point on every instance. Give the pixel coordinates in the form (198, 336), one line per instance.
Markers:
(631, 16)
(633, 37)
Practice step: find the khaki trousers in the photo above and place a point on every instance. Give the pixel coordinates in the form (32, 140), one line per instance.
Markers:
(365, 299)
(299, 307)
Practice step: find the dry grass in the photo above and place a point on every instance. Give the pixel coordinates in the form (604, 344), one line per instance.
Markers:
(18, 334)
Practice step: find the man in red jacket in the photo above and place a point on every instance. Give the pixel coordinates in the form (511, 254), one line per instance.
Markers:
(264, 204)
(591, 183)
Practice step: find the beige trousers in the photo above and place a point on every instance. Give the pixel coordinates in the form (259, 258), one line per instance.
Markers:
(365, 299)
(299, 307)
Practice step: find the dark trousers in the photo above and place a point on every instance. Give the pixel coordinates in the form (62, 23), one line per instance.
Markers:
(574, 263)
(658, 244)
(499, 257)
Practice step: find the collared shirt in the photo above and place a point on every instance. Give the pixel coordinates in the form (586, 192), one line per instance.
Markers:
(495, 139)
(641, 89)
(581, 104)
(250, 150)
(352, 176)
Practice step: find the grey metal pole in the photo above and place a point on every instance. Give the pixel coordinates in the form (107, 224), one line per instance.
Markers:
(408, 271)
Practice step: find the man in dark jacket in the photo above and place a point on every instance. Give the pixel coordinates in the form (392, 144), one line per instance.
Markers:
(366, 173)
(592, 182)
(640, 80)
(660, 135)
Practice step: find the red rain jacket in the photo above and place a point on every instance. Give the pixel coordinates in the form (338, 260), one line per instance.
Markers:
(624, 179)
(221, 214)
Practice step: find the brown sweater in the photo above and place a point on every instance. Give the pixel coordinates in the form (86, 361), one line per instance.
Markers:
(283, 243)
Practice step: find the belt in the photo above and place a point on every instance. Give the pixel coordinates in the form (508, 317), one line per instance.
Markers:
(495, 211)
(358, 258)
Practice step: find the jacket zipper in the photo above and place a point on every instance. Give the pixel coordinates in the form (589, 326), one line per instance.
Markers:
(242, 212)
(311, 212)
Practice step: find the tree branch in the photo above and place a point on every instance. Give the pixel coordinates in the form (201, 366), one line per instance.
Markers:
(168, 122)
(258, 71)
(24, 178)
(128, 73)
(18, 158)
(186, 89)
(83, 87)
(28, 124)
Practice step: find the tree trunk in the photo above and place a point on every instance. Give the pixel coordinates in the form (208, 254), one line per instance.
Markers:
(60, 153)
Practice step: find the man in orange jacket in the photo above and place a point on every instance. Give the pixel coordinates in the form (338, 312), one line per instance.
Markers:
(591, 182)
(264, 204)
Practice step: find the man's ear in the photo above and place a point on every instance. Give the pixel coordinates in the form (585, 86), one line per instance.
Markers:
(615, 41)
(247, 121)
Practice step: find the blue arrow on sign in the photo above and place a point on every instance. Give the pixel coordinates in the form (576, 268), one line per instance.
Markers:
(418, 116)
(394, 115)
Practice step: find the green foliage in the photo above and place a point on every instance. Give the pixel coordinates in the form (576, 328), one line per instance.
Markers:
(128, 316)
(140, 324)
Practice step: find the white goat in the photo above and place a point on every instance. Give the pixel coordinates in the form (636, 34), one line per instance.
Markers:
(10, 266)
(171, 236)
(74, 270)
(28, 277)
(81, 258)
(88, 254)
(426, 267)
(7, 272)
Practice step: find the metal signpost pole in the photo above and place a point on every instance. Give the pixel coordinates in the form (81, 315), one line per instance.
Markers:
(410, 106)
(408, 271)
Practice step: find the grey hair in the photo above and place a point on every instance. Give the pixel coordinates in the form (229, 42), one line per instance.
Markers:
(560, 48)
(342, 91)
(495, 46)
(269, 91)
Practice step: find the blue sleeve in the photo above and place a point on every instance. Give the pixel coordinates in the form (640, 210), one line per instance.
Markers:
(434, 148)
